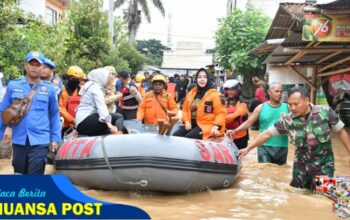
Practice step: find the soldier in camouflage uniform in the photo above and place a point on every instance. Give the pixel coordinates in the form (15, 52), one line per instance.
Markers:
(310, 129)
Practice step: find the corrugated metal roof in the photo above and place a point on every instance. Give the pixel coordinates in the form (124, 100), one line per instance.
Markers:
(280, 56)
(306, 59)
(267, 46)
(276, 59)
(296, 10)
(288, 14)
(289, 17)
(336, 5)
(294, 39)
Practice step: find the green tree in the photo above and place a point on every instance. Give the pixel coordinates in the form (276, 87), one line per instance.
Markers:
(88, 39)
(135, 59)
(123, 56)
(153, 50)
(236, 36)
(21, 33)
(82, 41)
(120, 31)
(113, 58)
(133, 15)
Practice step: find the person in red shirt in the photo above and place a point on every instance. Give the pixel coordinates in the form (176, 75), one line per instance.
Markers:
(237, 112)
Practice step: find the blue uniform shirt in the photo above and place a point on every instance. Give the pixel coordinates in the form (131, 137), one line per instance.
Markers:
(42, 122)
(57, 83)
(118, 85)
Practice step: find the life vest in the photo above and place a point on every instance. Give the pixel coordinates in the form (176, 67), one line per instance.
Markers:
(237, 121)
(171, 89)
(128, 102)
(72, 104)
(141, 89)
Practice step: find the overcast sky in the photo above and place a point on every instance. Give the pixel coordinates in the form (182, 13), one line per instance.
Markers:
(191, 20)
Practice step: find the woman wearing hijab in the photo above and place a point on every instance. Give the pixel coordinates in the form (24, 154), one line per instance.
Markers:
(203, 111)
(92, 116)
(260, 97)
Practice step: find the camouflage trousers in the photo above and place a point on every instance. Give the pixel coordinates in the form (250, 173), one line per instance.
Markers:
(304, 173)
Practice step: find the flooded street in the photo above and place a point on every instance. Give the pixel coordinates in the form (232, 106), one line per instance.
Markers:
(261, 192)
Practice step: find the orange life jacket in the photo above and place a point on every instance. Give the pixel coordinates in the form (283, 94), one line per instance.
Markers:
(236, 115)
(211, 111)
(171, 89)
(73, 103)
(64, 100)
(150, 110)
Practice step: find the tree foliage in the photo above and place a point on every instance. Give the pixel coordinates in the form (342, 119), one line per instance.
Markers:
(21, 33)
(133, 15)
(88, 39)
(153, 50)
(82, 40)
(135, 59)
(236, 36)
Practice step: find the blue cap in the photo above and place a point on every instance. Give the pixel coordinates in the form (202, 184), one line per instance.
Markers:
(49, 63)
(35, 55)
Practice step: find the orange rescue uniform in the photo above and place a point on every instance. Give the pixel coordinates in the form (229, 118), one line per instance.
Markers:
(142, 90)
(150, 110)
(63, 105)
(211, 111)
(171, 89)
(235, 115)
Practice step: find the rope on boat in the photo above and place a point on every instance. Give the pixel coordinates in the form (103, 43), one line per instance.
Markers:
(142, 183)
(133, 131)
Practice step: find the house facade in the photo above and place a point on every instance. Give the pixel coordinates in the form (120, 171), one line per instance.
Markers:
(51, 11)
(186, 59)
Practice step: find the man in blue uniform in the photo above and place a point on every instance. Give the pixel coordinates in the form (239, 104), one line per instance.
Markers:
(40, 126)
(48, 74)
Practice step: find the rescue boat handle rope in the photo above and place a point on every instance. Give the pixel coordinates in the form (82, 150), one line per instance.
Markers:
(133, 131)
(142, 183)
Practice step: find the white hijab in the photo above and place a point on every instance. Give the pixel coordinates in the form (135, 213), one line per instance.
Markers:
(96, 76)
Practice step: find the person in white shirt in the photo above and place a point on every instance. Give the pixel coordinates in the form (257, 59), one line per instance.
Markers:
(92, 116)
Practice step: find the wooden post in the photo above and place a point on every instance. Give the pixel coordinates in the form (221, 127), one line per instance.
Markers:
(314, 82)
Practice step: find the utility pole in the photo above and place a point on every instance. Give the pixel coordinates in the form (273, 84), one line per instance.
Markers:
(169, 40)
(111, 19)
(229, 7)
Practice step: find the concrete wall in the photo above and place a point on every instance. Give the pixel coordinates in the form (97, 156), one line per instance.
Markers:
(171, 72)
(284, 75)
(36, 7)
(57, 6)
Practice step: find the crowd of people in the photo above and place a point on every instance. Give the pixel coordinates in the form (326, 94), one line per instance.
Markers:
(97, 103)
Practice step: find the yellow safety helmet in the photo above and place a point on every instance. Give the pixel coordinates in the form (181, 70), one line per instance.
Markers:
(75, 71)
(139, 78)
(158, 78)
(84, 77)
(111, 69)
